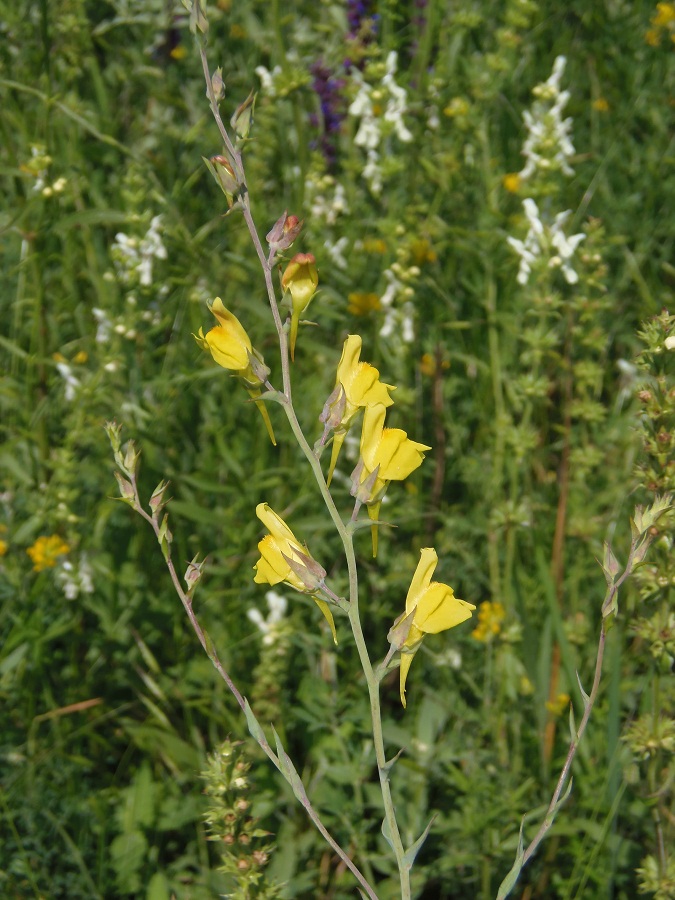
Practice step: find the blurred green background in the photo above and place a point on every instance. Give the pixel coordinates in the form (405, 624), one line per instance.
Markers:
(549, 405)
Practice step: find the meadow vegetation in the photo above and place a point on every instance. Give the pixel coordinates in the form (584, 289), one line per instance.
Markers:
(486, 194)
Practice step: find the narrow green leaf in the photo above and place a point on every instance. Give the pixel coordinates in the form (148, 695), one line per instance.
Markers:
(386, 833)
(509, 882)
(413, 849)
(254, 727)
(584, 695)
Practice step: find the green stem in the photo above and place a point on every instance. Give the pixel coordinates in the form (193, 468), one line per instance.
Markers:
(266, 263)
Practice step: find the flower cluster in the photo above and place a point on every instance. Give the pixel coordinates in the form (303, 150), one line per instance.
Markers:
(133, 257)
(75, 579)
(662, 25)
(328, 89)
(269, 626)
(544, 240)
(548, 147)
(46, 550)
(379, 110)
(490, 618)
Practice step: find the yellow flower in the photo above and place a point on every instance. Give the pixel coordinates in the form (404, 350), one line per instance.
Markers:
(45, 552)
(600, 104)
(422, 252)
(362, 304)
(301, 279)
(362, 387)
(231, 348)
(387, 454)
(430, 607)
(374, 245)
(284, 559)
(490, 618)
(4, 547)
(81, 357)
(228, 342)
(665, 14)
(511, 182)
(558, 706)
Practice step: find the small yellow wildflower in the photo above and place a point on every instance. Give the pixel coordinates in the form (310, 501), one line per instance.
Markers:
(374, 245)
(59, 358)
(428, 365)
(600, 105)
(653, 37)
(558, 706)
(423, 252)
(4, 547)
(362, 304)
(46, 550)
(490, 618)
(665, 15)
(178, 53)
(511, 182)
(81, 357)
(237, 33)
(458, 106)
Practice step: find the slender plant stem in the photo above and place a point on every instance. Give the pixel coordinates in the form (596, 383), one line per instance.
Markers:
(589, 702)
(186, 600)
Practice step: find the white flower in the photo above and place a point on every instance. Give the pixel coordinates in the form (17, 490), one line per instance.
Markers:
(267, 79)
(72, 383)
(669, 342)
(277, 609)
(544, 240)
(75, 581)
(548, 145)
(336, 251)
(393, 99)
(104, 325)
(396, 104)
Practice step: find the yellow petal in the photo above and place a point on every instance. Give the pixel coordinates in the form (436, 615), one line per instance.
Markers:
(263, 412)
(365, 387)
(371, 434)
(325, 609)
(228, 352)
(338, 440)
(295, 321)
(438, 609)
(272, 568)
(397, 455)
(374, 514)
(406, 662)
(422, 577)
(275, 524)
